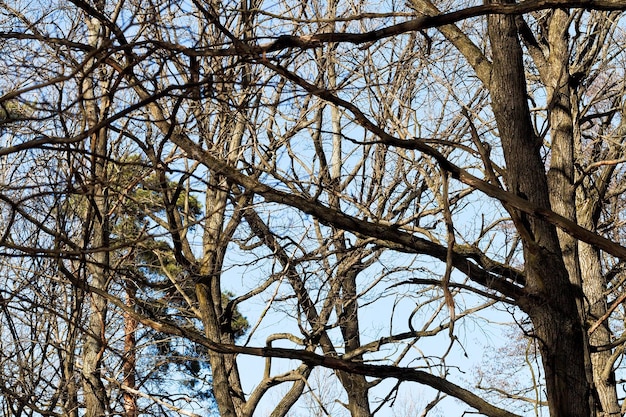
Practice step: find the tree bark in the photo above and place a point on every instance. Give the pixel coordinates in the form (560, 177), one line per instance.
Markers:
(97, 237)
(550, 300)
(589, 197)
(562, 191)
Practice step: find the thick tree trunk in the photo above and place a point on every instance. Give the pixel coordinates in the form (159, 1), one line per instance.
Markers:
(96, 402)
(581, 260)
(551, 300)
(602, 363)
(561, 173)
(93, 348)
(208, 292)
(590, 194)
(219, 366)
(356, 386)
(562, 191)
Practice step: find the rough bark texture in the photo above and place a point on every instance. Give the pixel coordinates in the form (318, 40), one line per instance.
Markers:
(561, 172)
(556, 77)
(356, 386)
(589, 196)
(551, 301)
(219, 366)
(98, 230)
(602, 363)
(93, 348)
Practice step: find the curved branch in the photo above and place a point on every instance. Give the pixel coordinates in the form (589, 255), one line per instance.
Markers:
(327, 215)
(311, 358)
(508, 199)
(317, 40)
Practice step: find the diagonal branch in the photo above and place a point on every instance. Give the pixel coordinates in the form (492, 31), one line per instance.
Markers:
(420, 23)
(310, 358)
(570, 227)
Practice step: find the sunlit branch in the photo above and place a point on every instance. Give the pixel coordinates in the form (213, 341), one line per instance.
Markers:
(311, 358)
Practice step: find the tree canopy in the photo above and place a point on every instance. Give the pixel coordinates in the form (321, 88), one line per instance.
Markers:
(249, 208)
